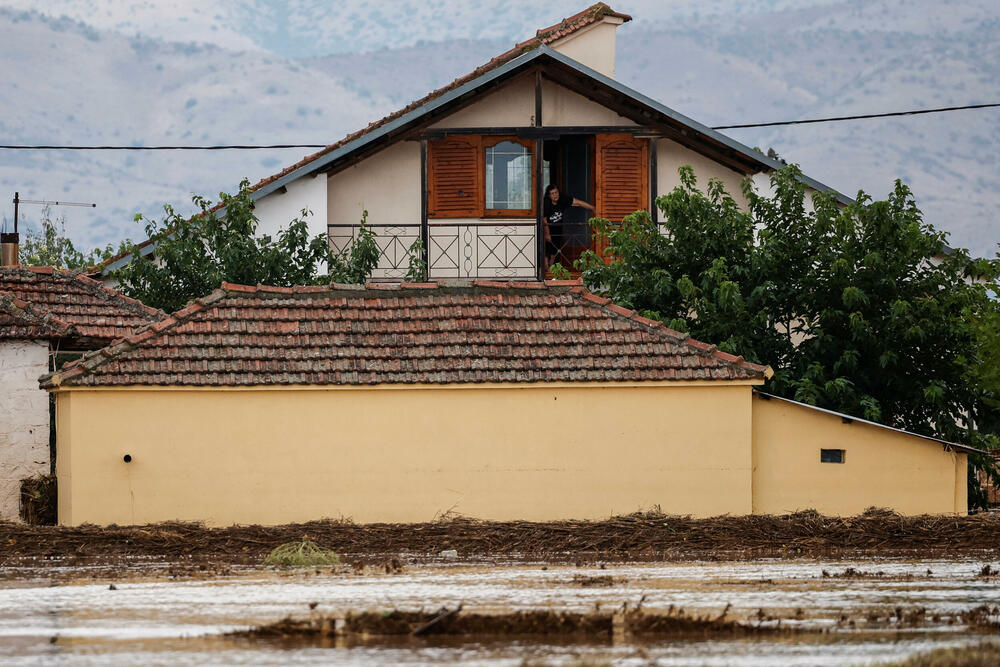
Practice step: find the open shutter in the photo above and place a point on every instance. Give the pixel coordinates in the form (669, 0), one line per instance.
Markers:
(622, 175)
(454, 180)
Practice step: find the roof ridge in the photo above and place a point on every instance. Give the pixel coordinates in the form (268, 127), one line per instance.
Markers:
(95, 287)
(374, 289)
(594, 13)
(326, 314)
(129, 302)
(702, 349)
(25, 310)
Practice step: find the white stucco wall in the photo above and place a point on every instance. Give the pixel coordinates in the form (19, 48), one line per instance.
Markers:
(593, 46)
(386, 184)
(561, 106)
(762, 184)
(24, 420)
(276, 210)
(670, 156)
(511, 106)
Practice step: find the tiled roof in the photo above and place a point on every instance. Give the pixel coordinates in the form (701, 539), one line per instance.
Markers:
(481, 332)
(42, 302)
(564, 28)
(19, 319)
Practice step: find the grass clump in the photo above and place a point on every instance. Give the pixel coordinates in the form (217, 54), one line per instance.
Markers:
(304, 553)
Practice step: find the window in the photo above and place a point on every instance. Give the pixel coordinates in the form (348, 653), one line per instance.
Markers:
(474, 176)
(831, 455)
(508, 176)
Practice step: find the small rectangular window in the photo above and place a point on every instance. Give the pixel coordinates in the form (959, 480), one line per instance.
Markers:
(831, 456)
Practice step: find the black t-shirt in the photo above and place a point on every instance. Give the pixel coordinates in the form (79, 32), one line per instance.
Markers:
(554, 212)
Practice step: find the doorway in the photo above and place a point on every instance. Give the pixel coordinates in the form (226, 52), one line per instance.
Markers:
(568, 162)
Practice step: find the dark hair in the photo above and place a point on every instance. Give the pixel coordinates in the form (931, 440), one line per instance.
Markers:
(549, 188)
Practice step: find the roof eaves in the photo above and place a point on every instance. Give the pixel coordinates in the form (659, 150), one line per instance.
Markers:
(534, 49)
(759, 157)
(415, 114)
(700, 348)
(147, 247)
(533, 53)
(948, 445)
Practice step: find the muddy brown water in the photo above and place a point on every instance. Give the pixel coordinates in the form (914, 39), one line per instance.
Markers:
(68, 616)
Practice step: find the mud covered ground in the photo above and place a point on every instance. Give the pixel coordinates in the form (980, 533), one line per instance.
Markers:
(774, 612)
(634, 538)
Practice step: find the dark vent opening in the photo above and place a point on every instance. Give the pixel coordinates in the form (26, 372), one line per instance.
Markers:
(831, 456)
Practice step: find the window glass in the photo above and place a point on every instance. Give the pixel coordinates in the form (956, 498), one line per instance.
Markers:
(508, 176)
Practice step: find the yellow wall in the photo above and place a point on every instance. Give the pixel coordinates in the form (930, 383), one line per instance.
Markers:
(882, 468)
(403, 453)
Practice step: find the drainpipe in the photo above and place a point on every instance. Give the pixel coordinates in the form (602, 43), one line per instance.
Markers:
(9, 241)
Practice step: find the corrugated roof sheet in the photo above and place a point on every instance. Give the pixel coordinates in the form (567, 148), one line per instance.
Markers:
(482, 332)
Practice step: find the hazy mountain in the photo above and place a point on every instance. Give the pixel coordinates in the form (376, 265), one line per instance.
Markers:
(71, 84)
(309, 72)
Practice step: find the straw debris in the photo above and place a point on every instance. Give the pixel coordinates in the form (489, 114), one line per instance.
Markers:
(304, 553)
(633, 538)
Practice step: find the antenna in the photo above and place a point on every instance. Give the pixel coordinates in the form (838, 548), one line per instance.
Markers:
(18, 201)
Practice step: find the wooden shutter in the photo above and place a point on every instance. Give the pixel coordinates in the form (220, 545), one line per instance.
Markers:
(622, 175)
(454, 178)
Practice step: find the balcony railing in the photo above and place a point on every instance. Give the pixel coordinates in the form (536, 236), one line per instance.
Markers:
(481, 249)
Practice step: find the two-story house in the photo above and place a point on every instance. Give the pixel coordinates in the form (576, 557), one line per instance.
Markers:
(464, 168)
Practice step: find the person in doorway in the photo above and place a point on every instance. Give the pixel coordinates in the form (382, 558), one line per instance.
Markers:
(554, 205)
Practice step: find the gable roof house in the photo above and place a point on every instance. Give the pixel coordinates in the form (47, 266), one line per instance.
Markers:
(463, 168)
(498, 399)
(46, 317)
(486, 390)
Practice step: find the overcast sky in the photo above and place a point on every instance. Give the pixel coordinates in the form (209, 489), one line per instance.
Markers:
(310, 71)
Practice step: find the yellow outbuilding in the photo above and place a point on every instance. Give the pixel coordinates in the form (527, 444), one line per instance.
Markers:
(494, 400)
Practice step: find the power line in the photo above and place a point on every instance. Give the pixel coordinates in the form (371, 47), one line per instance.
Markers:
(225, 147)
(858, 117)
(255, 147)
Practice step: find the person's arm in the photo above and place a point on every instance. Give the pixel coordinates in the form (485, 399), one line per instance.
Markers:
(547, 234)
(583, 204)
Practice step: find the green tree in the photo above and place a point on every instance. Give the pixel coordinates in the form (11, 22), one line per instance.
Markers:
(194, 256)
(50, 246)
(857, 308)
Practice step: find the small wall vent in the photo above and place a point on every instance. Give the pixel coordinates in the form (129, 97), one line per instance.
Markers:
(831, 456)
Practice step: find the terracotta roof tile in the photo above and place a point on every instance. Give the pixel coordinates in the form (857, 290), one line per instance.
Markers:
(556, 332)
(65, 304)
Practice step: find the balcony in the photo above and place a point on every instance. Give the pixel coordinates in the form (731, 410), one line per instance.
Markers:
(456, 249)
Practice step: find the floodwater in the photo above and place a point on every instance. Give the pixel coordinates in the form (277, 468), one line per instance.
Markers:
(72, 616)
